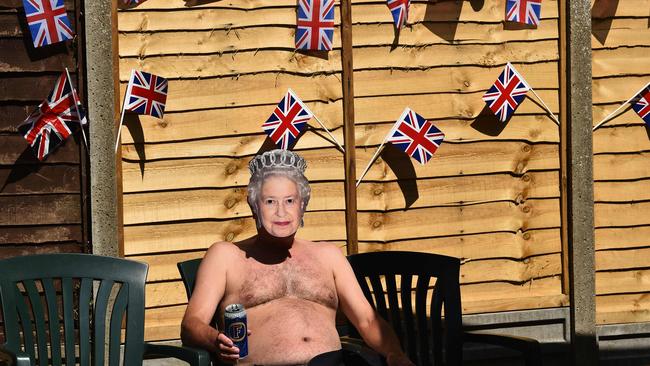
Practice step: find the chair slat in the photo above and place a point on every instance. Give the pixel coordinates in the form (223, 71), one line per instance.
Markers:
(26, 324)
(421, 290)
(53, 321)
(39, 320)
(85, 298)
(119, 307)
(436, 323)
(101, 304)
(393, 305)
(378, 291)
(406, 290)
(68, 320)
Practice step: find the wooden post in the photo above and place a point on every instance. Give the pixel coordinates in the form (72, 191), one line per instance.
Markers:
(564, 152)
(348, 128)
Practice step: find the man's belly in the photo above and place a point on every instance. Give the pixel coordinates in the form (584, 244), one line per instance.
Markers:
(290, 331)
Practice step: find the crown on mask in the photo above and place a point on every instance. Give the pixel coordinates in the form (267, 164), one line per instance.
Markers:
(277, 158)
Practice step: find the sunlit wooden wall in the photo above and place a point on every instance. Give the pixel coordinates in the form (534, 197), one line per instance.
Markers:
(620, 41)
(490, 195)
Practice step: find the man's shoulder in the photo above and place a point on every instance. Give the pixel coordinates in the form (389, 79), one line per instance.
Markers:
(323, 249)
(222, 251)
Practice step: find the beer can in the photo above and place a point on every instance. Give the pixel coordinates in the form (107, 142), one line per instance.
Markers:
(236, 327)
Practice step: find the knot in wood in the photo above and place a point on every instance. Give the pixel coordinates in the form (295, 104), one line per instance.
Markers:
(376, 224)
(526, 178)
(526, 209)
(231, 168)
(231, 202)
(526, 148)
(230, 236)
(526, 236)
(378, 191)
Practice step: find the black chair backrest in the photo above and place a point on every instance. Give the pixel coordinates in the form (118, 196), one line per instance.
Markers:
(415, 312)
(188, 270)
(48, 303)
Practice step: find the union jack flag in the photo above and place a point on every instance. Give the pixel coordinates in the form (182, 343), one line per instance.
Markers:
(524, 11)
(506, 93)
(288, 120)
(146, 94)
(315, 25)
(400, 11)
(416, 136)
(48, 21)
(54, 120)
(641, 104)
(132, 2)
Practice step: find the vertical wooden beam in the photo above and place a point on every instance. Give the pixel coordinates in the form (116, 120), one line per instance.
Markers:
(103, 113)
(348, 128)
(84, 179)
(582, 287)
(564, 151)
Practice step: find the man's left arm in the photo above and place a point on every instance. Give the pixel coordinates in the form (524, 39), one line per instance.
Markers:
(376, 332)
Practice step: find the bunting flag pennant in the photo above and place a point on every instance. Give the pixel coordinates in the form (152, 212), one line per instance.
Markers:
(507, 92)
(416, 136)
(48, 21)
(132, 2)
(400, 11)
(641, 104)
(315, 25)
(54, 120)
(146, 94)
(524, 11)
(288, 120)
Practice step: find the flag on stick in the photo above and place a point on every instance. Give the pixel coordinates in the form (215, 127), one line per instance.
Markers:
(400, 11)
(145, 94)
(48, 21)
(412, 134)
(507, 92)
(288, 120)
(639, 104)
(524, 11)
(54, 120)
(315, 25)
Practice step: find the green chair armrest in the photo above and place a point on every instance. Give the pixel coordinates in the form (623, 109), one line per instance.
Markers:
(529, 347)
(193, 356)
(14, 358)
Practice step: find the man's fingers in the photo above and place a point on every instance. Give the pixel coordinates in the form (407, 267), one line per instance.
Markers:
(228, 349)
(222, 338)
(249, 332)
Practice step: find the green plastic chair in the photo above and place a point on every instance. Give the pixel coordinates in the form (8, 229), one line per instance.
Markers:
(52, 316)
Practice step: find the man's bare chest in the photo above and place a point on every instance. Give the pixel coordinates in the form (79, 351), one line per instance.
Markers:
(303, 279)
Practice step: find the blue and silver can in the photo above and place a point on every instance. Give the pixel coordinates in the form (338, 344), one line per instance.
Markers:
(236, 327)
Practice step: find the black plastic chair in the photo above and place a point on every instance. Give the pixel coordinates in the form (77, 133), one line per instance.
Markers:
(355, 351)
(424, 336)
(50, 311)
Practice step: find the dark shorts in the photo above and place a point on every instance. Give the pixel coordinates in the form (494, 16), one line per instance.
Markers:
(338, 358)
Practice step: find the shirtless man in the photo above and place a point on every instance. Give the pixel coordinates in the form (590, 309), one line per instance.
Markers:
(290, 287)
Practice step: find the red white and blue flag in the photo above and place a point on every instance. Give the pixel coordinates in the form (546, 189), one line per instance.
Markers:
(641, 104)
(288, 120)
(315, 25)
(48, 21)
(146, 94)
(54, 120)
(400, 11)
(132, 2)
(505, 95)
(416, 136)
(524, 11)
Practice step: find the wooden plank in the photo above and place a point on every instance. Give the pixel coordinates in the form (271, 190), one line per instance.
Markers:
(621, 214)
(26, 88)
(450, 160)
(618, 61)
(162, 267)
(622, 166)
(622, 238)
(16, 58)
(21, 250)
(30, 179)
(512, 245)
(40, 210)
(16, 150)
(622, 259)
(633, 308)
(626, 117)
(617, 139)
(170, 206)
(247, 62)
(620, 32)
(621, 282)
(518, 303)
(12, 115)
(622, 191)
(613, 89)
(39, 234)
(165, 294)
(9, 26)
(163, 323)
(623, 9)
(189, 41)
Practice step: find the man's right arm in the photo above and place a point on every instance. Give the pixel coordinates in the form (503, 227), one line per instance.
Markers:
(209, 289)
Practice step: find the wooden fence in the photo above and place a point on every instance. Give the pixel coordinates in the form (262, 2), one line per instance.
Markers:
(490, 195)
(621, 167)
